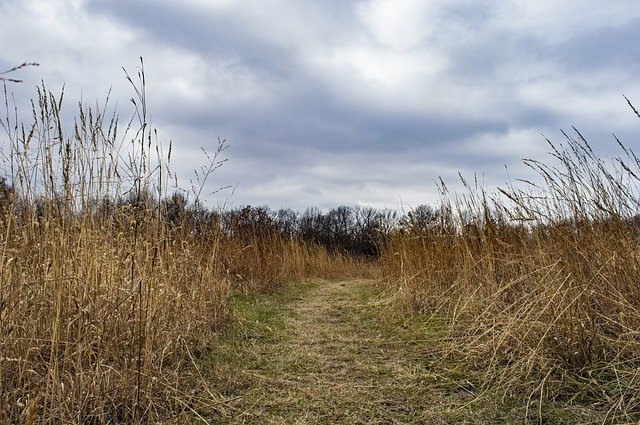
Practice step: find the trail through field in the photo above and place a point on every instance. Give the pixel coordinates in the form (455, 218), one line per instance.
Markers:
(323, 353)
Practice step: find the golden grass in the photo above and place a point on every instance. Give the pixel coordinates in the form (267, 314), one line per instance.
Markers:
(265, 264)
(540, 286)
(96, 322)
(108, 296)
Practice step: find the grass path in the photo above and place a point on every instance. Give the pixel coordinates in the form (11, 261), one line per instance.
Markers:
(329, 353)
(322, 353)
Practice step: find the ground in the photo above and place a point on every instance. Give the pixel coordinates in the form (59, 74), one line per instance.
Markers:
(332, 352)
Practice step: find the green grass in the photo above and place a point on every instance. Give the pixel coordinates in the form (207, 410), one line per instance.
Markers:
(333, 352)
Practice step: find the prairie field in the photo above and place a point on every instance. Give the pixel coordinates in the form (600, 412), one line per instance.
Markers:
(539, 285)
(125, 299)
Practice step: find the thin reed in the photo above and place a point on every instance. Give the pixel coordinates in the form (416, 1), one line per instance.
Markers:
(539, 281)
(101, 303)
(112, 282)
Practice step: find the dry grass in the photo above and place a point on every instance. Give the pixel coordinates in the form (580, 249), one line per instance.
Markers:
(320, 352)
(264, 263)
(108, 296)
(540, 285)
(333, 352)
(97, 322)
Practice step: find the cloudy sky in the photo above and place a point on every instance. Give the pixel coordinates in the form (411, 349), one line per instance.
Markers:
(332, 102)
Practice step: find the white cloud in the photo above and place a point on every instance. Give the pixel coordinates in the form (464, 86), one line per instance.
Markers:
(378, 76)
(514, 143)
(70, 44)
(342, 101)
(399, 25)
(555, 21)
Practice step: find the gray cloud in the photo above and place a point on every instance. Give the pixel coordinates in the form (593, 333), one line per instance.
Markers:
(343, 102)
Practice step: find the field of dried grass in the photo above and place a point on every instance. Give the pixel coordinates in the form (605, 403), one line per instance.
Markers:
(539, 284)
(109, 284)
(119, 294)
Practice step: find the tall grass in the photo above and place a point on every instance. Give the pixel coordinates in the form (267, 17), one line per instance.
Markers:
(110, 287)
(539, 281)
(101, 302)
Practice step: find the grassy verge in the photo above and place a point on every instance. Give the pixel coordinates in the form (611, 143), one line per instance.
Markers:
(539, 283)
(330, 352)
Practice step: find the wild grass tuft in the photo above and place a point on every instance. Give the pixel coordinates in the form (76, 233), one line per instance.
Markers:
(111, 286)
(539, 281)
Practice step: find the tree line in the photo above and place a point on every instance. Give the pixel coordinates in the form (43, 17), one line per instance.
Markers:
(355, 230)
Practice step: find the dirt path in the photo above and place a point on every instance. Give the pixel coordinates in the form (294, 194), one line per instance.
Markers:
(329, 353)
(323, 353)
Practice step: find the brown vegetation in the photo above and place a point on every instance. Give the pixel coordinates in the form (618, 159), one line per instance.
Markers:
(540, 285)
(109, 286)
(113, 283)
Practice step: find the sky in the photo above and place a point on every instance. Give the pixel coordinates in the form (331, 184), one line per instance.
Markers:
(344, 102)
